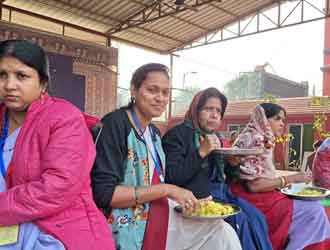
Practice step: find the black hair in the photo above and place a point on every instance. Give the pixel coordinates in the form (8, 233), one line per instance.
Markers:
(272, 109)
(141, 74)
(31, 54)
(209, 93)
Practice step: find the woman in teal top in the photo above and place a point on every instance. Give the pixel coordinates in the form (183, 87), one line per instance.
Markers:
(128, 175)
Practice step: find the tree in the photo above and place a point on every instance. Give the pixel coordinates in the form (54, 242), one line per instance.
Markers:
(246, 86)
(183, 98)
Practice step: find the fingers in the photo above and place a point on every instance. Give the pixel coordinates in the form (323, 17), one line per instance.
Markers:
(233, 160)
(309, 175)
(189, 206)
(301, 177)
(214, 142)
(208, 198)
(190, 203)
(306, 177)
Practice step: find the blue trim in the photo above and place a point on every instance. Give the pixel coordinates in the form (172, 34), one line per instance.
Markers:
(2, 144)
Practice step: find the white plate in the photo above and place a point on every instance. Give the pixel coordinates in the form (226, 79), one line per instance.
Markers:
(292, 191)
(240, 151)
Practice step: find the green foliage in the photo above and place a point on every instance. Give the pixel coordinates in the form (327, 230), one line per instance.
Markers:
(270, 98)
(320, 101)
(183, 98)
(319, 124)
(246, 86)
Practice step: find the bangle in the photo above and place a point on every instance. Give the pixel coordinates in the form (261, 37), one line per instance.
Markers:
(136, 195)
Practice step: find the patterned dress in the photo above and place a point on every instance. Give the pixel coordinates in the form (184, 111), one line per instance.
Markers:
(123, 158)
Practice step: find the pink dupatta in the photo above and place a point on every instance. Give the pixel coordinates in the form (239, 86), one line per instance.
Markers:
(276, 207)
(257, 134)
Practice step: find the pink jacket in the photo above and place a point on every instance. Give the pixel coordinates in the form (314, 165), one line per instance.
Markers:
(50, 180)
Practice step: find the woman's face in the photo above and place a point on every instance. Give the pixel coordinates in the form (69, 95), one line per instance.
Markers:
(153, 95)
(209, 117)
(277, 123)
(19, 84)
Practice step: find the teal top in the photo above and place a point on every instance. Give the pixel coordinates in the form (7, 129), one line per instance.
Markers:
(122, 159)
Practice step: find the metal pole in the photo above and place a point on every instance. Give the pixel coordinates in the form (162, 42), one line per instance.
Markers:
(184, 79)
(170, 95)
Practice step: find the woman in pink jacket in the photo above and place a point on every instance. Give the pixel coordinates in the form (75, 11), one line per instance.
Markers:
(46, 154)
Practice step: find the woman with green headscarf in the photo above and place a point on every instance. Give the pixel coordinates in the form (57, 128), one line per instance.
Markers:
(192, 164)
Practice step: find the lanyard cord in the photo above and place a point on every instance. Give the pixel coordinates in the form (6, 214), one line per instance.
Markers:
(154, 158)
(2, 144)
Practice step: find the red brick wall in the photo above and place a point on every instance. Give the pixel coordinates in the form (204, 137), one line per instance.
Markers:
(101, 88)
(97, 63)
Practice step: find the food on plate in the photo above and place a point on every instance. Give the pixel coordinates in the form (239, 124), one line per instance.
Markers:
(211, 208)
(309, 192)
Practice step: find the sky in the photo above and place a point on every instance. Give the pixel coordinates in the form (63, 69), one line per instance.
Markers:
(295, 53)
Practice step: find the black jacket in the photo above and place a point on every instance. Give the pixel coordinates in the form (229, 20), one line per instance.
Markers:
(184, 166)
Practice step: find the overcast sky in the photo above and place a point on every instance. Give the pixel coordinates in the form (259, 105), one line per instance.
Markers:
(295, 53)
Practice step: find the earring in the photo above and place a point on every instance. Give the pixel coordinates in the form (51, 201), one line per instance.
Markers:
(133, 99)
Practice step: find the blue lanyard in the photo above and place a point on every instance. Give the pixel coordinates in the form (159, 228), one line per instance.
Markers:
(2, 144)
(155, 160)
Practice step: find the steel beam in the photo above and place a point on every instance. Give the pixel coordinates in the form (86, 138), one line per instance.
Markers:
(63, 23)
(281, 21)
(155, 11)
(117, 21)
(175, 17)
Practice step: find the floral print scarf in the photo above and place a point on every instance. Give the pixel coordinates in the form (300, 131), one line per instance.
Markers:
(257, 134)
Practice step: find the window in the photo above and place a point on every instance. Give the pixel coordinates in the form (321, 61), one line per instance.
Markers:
(295, 146)
(236, 127)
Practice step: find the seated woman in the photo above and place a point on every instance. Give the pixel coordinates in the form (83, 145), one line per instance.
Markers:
(128, 175)
(47, 153)
(321, 165)
(293, 224)
(191, 164)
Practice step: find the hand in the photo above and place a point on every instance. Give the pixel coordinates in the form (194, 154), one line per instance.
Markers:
(208, 144)
(233, 160)
(184, 197)
(208, 198)
(300, 177)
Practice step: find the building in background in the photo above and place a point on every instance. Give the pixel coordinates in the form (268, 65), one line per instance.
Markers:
(260, 84)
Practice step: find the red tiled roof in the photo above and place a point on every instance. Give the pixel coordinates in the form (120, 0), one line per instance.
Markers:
(293, 106)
